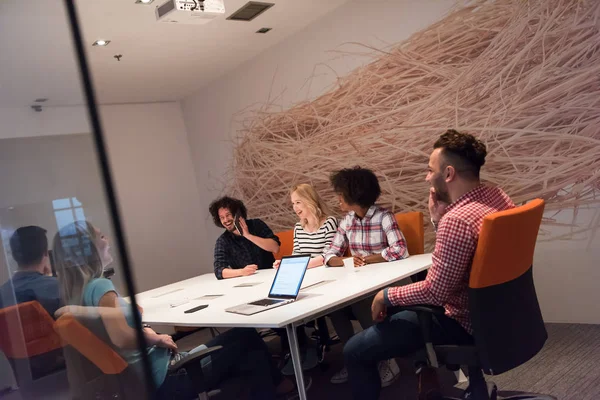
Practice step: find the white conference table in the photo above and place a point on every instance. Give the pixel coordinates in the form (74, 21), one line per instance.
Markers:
(333, 288)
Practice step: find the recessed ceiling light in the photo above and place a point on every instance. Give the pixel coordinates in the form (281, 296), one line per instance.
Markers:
(143, 1)
(101, 42)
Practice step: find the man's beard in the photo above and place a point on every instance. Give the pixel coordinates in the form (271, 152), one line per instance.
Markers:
(441, 190)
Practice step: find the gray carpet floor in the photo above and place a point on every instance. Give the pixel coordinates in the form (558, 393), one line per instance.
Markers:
(568, 367)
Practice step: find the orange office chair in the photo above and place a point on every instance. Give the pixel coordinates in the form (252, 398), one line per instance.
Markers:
(411, 226)
(28, 340)
(286, 248)
(96, 369)
(507, 322)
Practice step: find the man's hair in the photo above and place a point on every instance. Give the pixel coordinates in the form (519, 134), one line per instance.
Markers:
(358, 186)
(233, 205)
(29, 245)
(463, 151)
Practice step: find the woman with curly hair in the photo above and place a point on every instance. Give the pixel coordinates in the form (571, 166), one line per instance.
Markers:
(372, 235)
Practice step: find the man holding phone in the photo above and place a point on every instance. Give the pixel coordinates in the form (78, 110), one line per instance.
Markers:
(246, 245)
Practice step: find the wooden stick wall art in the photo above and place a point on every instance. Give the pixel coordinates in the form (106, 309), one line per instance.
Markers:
(524, 76)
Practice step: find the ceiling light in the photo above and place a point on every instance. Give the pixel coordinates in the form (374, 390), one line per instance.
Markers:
(101, 42)
(143, 1)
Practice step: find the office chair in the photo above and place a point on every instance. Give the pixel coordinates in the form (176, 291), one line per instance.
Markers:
(411, 226)
(96, 370)
(286, 246)
(29, 342)
(508, 328)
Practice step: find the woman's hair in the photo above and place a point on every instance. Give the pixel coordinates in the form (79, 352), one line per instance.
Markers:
(77, 259)
(358, 186)
(233, 205)
(311, 198)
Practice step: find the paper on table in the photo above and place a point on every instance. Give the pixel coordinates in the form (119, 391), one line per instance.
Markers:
(315, 285)
(177, 303)
(166, 293)
(208, 297)
(248, 284)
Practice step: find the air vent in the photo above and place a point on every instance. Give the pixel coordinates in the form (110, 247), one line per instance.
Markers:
(263, 30)
(251, 10)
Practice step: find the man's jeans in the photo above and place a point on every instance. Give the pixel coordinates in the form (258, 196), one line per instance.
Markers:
(398, 336)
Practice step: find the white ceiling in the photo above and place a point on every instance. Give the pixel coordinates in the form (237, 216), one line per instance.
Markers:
(160, 61)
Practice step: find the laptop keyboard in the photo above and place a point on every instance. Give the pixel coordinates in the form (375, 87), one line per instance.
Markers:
(265, 302)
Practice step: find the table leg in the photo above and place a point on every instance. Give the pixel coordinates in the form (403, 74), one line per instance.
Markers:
(296, 361)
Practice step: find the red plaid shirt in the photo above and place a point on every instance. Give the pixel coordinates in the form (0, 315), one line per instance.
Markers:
(377, 232)
(457, 235)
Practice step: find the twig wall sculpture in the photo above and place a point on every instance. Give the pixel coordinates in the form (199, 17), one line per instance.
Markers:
(524, 76)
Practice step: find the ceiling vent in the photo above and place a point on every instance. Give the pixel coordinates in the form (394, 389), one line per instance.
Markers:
(251, 10)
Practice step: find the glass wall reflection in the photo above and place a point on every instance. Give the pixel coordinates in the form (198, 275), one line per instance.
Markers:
(66, 330)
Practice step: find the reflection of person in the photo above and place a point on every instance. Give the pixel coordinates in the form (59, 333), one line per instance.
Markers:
(458, 203)
(33, 280)
(372, 234)
(241, 255)
(82, 252)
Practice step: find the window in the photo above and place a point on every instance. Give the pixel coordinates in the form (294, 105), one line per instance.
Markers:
(67, 211)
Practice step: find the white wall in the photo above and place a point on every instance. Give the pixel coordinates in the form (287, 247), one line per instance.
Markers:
(565, 271)
(25, 122)
(283, 71)
(157, 192)
(152, 169)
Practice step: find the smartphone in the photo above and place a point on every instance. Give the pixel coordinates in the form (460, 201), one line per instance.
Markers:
(193, 310)
(236, 223)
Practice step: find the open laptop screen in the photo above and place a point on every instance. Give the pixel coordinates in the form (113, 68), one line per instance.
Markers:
(289, 277)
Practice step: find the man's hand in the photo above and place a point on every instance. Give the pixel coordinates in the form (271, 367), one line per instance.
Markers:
(249, 270)
(437, 208)
(244, 226)
(378, 308)
(276, 264)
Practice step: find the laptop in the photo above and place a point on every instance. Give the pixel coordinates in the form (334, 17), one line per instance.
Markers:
(285, 287)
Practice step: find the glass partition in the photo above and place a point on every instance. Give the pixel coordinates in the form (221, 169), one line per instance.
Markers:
(66, 328)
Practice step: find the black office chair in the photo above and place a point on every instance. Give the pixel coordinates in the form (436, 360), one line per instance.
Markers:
(508, 328)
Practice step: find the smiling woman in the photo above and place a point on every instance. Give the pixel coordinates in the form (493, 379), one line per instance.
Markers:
(315, 230)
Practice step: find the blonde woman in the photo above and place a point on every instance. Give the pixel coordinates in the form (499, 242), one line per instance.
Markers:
(313, 234)
(315, 229)
(82, 253)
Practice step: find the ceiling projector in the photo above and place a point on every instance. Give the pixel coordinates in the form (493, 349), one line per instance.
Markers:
(194, 12)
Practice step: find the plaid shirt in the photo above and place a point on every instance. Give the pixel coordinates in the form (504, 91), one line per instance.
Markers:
(457, 235)
(377, 232)
(233, 251)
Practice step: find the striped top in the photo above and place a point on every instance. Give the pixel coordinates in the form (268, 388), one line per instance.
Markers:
(314, 243)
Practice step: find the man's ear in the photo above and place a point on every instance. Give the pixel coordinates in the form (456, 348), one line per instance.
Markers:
(449, 173)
